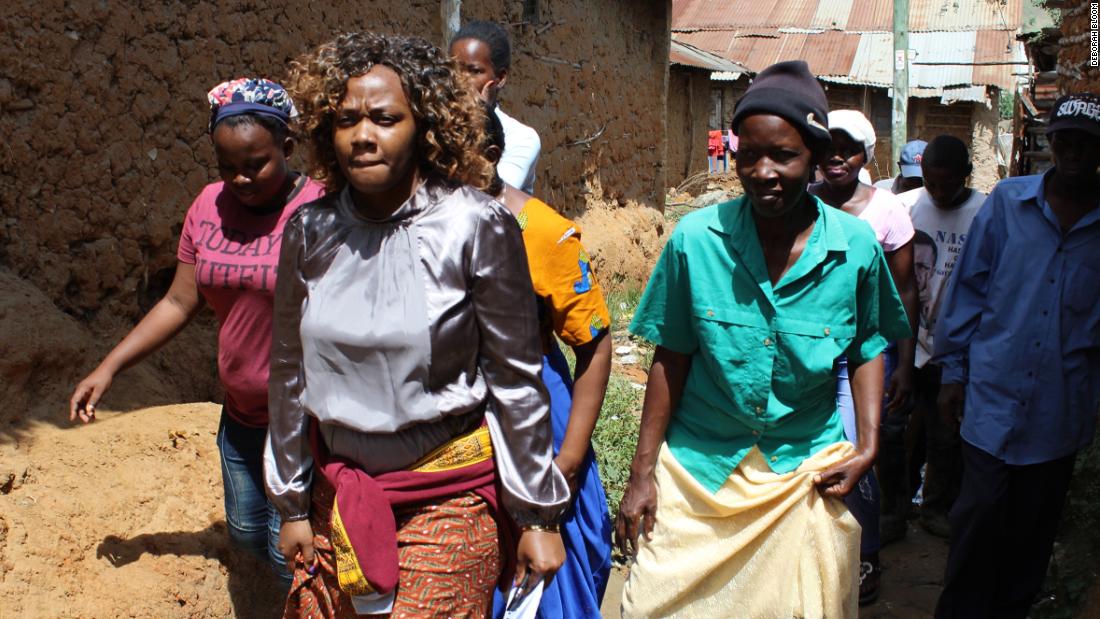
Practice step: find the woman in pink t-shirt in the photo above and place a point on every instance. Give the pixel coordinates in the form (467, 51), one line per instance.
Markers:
(853, 146)
(228, 252)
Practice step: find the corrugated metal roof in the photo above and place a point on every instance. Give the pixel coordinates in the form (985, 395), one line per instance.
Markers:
(725, 76)
(953, 43)
(711, 14)
(832, 15)
(939, 59)
(871, 16)
(927, 15)
(871, 66)
(758, 50)
(964, 93)
(715, 41)
(828, 53)
(851, 15)
(831, 52)
(955, 15)
(992, 49)
(688, 55)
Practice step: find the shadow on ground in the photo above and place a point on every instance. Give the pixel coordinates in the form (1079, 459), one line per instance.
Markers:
(253, 589)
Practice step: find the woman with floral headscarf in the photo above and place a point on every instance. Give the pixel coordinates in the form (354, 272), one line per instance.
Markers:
(228, 251)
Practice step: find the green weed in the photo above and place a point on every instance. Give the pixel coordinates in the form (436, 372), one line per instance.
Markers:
(622, 302)
(616, 432)
(616, 436)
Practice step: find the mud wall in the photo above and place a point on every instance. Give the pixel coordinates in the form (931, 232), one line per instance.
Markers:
(688, 105)
(1076, 73)
(929, 118)
(102, 105)
(983, 145)
(731, 94)
(973, 123)
(590, 76)
(876, 106)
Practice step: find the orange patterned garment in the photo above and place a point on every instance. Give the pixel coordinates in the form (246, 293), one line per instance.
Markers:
(448, 553)
(571, 303)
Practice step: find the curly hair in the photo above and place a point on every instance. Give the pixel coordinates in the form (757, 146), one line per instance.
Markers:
(450, 120)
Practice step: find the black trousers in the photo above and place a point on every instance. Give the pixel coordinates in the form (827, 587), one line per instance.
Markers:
(943, 455)
(1003, 526)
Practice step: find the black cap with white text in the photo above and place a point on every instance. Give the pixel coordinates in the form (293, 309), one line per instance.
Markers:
(1079, 111)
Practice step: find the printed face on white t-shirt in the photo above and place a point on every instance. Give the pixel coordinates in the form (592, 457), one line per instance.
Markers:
(924, 268)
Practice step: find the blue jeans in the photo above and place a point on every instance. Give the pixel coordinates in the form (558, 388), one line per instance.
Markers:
(252, 520)
(865, 501)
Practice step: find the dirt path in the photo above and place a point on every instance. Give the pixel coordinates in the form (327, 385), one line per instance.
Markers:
(123, 518)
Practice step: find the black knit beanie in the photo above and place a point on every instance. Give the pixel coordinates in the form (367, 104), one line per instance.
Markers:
(790, 91)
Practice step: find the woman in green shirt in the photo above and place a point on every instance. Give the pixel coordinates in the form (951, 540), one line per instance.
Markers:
(741, 463)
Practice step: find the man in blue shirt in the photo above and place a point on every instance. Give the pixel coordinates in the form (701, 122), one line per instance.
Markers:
(1018, 339)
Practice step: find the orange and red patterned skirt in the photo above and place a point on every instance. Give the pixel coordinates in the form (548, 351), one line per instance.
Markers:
(448, 555)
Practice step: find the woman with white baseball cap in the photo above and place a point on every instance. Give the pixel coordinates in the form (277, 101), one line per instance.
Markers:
(853, 143)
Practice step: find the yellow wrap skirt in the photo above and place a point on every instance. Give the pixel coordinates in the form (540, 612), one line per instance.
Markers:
(766, 545)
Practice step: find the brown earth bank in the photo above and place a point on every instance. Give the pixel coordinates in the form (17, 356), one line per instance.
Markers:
(123, 518)
(44, 352)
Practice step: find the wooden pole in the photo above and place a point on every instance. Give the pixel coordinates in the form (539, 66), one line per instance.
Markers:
(900, 115)
(450, 18)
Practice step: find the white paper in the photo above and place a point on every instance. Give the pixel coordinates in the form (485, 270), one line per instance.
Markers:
(528, 606)
(374, 603)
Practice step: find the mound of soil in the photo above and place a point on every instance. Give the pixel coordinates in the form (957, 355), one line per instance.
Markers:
(624, 243)
(123, 518)
(44, 352)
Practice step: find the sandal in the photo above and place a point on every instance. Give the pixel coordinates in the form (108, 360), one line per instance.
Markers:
(869, 575)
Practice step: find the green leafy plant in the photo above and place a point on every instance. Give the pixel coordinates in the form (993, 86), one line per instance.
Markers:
(1006, 105)
(616, 436)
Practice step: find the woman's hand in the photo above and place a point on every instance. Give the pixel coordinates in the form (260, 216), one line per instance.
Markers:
(900, 389)
(840, 479)
(488, 92)
(539, 555)
(637, 513)
(88, 393)
(161, 324)
(638, 507)
(570, 467)
(294, 538)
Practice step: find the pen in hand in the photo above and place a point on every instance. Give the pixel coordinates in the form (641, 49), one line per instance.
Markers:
(520, 592)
